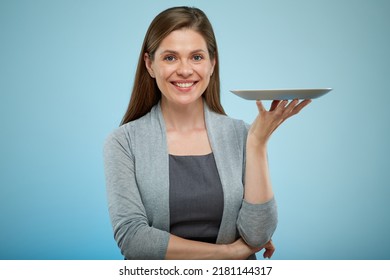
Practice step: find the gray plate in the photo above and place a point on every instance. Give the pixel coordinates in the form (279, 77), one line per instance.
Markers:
(281, 94)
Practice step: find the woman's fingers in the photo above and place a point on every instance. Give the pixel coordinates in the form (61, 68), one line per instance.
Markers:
(269, 249)
(260, 106)
(274, 104)
(300, 106)
(289, 109)
(293, 108)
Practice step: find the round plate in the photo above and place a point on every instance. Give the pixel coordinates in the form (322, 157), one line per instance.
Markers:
(281, 94)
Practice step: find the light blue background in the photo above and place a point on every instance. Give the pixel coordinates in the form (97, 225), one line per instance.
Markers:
(66, 71)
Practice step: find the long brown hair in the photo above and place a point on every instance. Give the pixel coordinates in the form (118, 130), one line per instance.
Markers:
(145, 92)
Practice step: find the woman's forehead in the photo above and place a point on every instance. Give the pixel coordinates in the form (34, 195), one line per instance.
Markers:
(183, 41)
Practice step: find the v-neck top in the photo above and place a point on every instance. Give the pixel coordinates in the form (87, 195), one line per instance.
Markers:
(195, 197)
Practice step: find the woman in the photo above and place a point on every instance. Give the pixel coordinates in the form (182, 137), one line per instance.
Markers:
(184, 181)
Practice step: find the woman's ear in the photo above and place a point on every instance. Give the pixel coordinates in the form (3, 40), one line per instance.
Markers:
(148, 64)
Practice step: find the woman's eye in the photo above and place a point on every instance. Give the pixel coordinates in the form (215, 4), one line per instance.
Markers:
(198, 57)
(170, 58)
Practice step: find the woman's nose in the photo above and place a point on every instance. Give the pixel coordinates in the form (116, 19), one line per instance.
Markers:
(184, 69)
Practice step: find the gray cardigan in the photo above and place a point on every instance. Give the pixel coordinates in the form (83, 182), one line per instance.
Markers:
(137, 178)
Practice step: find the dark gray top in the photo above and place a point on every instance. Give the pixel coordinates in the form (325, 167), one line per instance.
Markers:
(195, 197)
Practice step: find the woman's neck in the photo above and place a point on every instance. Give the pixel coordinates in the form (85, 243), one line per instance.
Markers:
(183, 118)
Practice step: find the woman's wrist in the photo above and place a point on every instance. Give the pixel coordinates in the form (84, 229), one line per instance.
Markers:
(238, 250)
(255, 146)
(226, 252)
(229, 252)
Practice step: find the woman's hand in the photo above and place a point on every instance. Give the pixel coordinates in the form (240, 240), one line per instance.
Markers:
(239, 250)
(267, 121)
(269, 250)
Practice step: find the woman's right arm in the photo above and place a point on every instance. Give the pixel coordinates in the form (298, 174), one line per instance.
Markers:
(132, 232)
(184, 249)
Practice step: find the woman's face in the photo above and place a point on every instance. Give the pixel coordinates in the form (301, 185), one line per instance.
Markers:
(181, 66)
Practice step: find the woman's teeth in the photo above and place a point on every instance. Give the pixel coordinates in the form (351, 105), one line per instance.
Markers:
(184, 85)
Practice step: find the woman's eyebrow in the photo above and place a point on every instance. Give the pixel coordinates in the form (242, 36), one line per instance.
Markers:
(168, 51)
(176, 53)
(198, 51)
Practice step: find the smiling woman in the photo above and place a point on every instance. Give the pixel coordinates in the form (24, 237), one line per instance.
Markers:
(182, 67)
(145, 92)
(185, 181)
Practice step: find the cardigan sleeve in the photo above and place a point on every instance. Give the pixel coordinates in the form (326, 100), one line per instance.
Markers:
(135, 238)
(256, 223)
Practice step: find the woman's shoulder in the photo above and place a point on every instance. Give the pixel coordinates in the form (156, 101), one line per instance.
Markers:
(229, 122)
(118, 139)
(241, 128)
(124, 134)
(239, 123)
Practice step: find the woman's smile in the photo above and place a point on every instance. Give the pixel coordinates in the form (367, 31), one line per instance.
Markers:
(184, 86)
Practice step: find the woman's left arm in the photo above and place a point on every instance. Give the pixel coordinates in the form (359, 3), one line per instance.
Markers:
(259, 201)
(258, 188)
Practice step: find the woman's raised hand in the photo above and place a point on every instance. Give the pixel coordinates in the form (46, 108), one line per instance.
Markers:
(267, 122)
